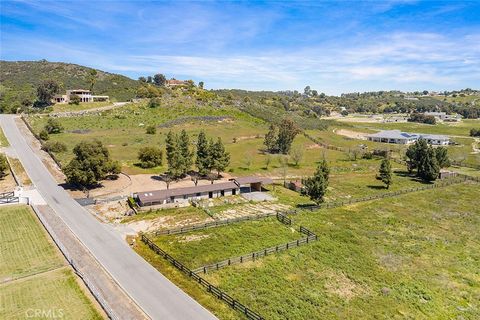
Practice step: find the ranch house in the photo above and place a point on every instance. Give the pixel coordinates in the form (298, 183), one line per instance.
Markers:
(216, 190)
(84, 95)
(398, 137)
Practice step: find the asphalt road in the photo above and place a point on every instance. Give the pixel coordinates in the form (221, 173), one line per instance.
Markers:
(155, 295)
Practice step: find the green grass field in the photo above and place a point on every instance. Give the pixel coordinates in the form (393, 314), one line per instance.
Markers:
(414, 256)
(33, 274)
(3, 139)
(202, 247)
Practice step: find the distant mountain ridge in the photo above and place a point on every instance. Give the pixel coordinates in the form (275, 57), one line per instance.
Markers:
(19, 80)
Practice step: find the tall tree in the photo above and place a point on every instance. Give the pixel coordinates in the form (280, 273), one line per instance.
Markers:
(174, 156)
(186, 154)
(221, 158)
(286, 133)
(203, 159)
(271, 138)
(159, 79)
(92, 78)
(385, 172)
(428, 168)
(200, 84)
(149, 79)
(45, 92)
(316, 187)
(441, 154)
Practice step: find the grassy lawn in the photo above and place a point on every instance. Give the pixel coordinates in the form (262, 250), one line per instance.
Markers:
(26, 248)
(56, 291)
(33, 274)
(415, 256)
(207, 246)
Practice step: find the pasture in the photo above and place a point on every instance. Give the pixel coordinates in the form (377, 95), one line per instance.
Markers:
(33, 273)
(413, 256)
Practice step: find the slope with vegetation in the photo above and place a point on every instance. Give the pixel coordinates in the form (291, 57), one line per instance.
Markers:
(19, 81)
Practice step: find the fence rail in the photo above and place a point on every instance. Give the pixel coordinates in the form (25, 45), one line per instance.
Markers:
(447, 182)
(8, 197)
(233, 303)
(92, 288)
(219, 223)
(310, 237)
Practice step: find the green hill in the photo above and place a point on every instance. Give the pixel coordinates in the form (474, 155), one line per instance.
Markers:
(19, 80)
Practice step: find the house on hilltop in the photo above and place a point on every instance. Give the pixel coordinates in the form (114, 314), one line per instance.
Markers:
(84, 95)
(175, 83)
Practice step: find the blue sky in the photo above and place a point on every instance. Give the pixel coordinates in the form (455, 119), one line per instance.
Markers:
(334, 47)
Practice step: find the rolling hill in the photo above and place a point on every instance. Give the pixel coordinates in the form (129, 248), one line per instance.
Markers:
(19, 80)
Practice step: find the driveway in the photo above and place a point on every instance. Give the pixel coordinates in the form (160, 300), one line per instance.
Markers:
(155, 295)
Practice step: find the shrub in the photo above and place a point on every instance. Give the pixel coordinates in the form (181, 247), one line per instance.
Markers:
(53, 126)
(74, 99)
(474, 132)
(44, 135)
(154, 103)
(150, 157)
(151, 130)
(3, 165)
(54, 146)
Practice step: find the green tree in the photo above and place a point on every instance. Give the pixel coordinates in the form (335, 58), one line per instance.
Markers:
(286, 133)
(91, 163)
(316, 187)
(54, 146)
(53, 126)
(423, 158)
(45, 93)
(296, 154)
(154, 103)
(441, 154)
(221, 158)
(385, 172)
(271, 138)
(44, 135)
(92, 78)
(201, 84)
(203, 160)
(3, 165)
(74, 99)
(159, 79)
(174, 156)
(186, 154)
(150, 157)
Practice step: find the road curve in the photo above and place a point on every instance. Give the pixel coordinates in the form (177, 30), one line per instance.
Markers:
(154, 293)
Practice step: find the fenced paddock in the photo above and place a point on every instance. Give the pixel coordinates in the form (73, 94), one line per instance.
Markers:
(233, 303)
(459, 178)
(219, 223)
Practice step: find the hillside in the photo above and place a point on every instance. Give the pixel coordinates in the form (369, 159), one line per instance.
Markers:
(19, 80)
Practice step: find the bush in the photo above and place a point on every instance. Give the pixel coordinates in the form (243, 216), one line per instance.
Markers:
(3, 165)
(44, 135)
(150, 157)
(421, 118)
(151, 130)
(475, 132)
(53, 126)
(54, 146)
(154, 103)
(74, 99)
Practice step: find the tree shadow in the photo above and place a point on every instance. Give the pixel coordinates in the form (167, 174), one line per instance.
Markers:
(377, 187)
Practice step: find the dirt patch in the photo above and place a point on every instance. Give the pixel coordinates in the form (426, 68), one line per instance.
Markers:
(314, 146)
(337, 283)
(194, 237)
(7, 183)
(113, 210)
(351, 134)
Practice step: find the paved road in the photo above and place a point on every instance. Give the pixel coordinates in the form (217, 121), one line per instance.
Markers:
(155, 294)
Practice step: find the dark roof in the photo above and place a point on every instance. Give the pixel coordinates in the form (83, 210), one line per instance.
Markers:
(253, 179)
(159, 195)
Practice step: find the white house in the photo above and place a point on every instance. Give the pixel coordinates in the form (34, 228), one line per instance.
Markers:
(443, 116)
(84, 95)
(399, 137)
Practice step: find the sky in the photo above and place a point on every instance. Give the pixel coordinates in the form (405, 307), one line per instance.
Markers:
(332, 46)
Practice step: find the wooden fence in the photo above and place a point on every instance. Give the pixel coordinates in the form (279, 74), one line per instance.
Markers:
(233, 303)
(223, 222)
(310, 237)
(443, 183)
(8, 197)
